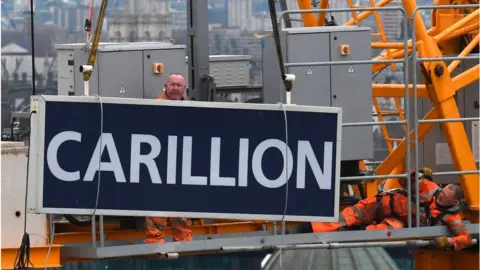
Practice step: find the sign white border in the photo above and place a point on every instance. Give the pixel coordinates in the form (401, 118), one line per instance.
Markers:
(37, 149)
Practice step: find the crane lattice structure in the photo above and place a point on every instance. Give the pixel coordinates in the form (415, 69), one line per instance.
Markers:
(454, 31)
(436, 52)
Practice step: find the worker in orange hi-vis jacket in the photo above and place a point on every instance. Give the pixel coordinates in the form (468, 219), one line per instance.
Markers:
(427, 190)
(174, 89)
(155, 226)
(427, 187)
(445, 209)
(388, 208)
(384, 212)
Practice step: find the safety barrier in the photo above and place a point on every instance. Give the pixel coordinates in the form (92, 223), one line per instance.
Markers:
(416, 121)
(407, 102)
(407, 92)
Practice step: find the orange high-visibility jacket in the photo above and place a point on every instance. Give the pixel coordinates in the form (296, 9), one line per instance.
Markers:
(387, 204)
(164, 96)
(434, 215)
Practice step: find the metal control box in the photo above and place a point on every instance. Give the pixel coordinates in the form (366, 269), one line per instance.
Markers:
(127, 69)
(347, 86)
(229, 70)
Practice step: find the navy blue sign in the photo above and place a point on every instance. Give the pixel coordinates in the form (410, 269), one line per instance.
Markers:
(190, 159)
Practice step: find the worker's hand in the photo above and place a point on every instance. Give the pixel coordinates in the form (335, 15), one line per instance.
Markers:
(441, 242)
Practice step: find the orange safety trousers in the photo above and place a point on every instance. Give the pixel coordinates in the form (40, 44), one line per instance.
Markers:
(387, 223)
(369, 211)
(155, 229)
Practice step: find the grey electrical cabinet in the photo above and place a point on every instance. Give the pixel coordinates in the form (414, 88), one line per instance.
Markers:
(229, 70)
(347, 86)
(131, 70)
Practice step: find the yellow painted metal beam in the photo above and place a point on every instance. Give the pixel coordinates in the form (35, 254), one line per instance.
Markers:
(426, 259)
(38, 256)
(307, 18)
(397, 90)
(365, 14)
(321, 16)
(442, 95)
(398, 155)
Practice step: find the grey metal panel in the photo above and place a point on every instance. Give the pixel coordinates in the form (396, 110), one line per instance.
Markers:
(81, 58)
(198, 48)
(324, 29)
(64, 70)
(266, 241)
(127, 46)
(471, 109)
(309, 88)
(173, 60)
(352, 91)
(228, 58)
(120, 69)
(273, 90)
(230, 70)
(65, 85)
(139, 46)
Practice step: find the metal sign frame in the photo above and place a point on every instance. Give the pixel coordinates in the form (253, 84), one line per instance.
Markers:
(38, 151)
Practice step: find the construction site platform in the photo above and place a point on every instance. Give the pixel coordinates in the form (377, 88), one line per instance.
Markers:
(265, 242)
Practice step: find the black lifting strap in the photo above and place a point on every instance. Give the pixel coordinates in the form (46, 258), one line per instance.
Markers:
(428, 213)
(273, 16)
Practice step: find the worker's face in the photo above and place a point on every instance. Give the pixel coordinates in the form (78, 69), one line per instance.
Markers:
(445, 197)
(175, 87)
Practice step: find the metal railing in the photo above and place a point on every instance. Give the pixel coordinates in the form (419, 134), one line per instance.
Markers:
(373, 123)
(415, 61)
(407, 104)
(416, 121)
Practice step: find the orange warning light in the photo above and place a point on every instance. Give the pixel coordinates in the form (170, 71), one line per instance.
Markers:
(158, 68)
(344, 49)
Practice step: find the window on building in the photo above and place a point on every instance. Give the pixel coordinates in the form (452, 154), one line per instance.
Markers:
(161, 35)
(132, 36)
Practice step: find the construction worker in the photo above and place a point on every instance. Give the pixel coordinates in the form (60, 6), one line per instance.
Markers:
(427, 188)
(445, 209)
(386, 209)
(174, 89)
